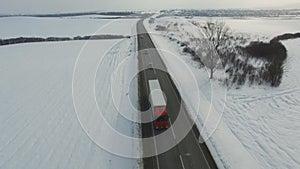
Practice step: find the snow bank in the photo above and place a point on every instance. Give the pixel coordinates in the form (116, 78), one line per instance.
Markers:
(258, 123)
(226, 149)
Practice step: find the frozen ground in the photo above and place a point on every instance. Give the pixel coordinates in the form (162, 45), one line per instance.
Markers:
(38, 123)
(259, 125)
(266, 120)
(67, 27)
(268, 27)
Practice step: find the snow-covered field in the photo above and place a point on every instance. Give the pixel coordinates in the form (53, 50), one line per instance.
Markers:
(38, 123)
(67, 27)
(259, 125)
(268, 27)
(39, 126)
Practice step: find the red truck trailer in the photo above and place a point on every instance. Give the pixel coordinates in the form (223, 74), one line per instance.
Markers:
(158, 105)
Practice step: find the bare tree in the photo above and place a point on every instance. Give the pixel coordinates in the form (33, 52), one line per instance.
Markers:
(216, 32)
(208, 56)
(215, 35)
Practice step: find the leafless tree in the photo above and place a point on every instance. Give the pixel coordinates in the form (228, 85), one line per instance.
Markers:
(215, 34)
(208, 56)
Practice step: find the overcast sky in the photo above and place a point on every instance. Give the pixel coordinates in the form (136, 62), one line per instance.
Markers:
(52, 6)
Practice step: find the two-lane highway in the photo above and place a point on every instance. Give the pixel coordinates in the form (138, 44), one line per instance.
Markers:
(188, 153)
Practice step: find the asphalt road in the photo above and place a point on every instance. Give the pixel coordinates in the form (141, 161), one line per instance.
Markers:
(188, 153)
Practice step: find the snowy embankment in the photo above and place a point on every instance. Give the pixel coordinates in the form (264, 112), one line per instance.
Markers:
(259, 125)
(227, 151)
(38, 123)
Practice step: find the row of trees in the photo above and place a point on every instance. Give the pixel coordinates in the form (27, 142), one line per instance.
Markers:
(57, 39)
(219, 49)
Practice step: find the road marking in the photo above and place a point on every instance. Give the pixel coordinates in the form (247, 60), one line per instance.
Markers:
(155, 146)
(156, 156)
(154, 72)
(147, 89)
(200, 148)
(187, 154)
(153, 67)
(189, 121)
(182, 164)
(169, 81)
(172, 128)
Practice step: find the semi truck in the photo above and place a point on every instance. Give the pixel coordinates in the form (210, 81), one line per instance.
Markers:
(158, 106)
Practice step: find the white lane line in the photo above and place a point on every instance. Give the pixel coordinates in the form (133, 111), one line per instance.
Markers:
(200, 148)
(182, 164)
(172, 128)
(151, 58)
(173, 131)
(186, 114)
(154, 71)
(156, 153)
(155, 146)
